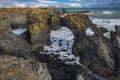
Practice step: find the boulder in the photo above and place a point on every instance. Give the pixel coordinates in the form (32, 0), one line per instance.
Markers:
(13, 68)
(115, 41)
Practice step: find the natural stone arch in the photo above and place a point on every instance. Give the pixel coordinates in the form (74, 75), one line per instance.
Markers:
(90, 48)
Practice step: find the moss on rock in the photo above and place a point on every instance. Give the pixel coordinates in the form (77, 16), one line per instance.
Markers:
(76, 22)
(54, 21)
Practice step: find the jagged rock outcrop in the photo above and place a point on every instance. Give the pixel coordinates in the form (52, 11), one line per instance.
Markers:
(94, 50)
(102, 30)
(36, 36)
(54, 21)
(18, 20)
(35, 19)
(21, 56)
(13, 68)
(115, 41)
(38, 28)
(77, 23)
(11, 43)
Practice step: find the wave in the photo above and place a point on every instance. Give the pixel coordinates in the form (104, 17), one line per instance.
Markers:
(19, 31)
(100, 12)
(109, 24)
(106, 23)
(107, 12)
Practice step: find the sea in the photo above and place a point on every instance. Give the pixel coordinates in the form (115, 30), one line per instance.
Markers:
(102, 17)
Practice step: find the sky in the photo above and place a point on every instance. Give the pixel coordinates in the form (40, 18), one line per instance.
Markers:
(60, 3)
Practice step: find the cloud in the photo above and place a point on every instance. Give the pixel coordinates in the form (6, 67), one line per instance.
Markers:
(75, 5)
(60, 3)
(75, 0)
(38, 3)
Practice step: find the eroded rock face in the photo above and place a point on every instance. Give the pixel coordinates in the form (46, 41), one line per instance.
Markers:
(38, 28)
(36, 36)
(77, 23)
(115, 40)
(13, 68)
(18, 20)
(11, 43)
(54, 21)
(93, 50)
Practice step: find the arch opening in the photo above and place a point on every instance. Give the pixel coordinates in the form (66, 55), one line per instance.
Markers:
(62, 42)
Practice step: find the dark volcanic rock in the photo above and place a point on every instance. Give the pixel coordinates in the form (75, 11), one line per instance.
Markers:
(93, 50)
(115, 40)
(77, 23)
(11, 43)
(102, 30)
(95, 54)
(18, 20)
(38, 28)
(21, 56)
(54, 21)
(13, 68)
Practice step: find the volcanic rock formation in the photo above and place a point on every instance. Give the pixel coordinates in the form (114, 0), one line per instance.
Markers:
(22, 56)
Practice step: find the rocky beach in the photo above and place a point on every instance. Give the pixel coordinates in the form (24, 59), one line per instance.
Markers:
(42, 44)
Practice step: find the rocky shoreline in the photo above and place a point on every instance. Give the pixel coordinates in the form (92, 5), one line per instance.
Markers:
(22, 57)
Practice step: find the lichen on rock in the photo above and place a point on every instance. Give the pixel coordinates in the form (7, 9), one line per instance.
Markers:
(54, 21)
(13, 68)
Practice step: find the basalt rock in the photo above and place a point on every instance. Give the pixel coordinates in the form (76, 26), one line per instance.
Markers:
(35, 20)
(38, 28)
(94, 50)
(38, 32)
(115, 41)
(77, 23)
(102, 30)
(11, 43)
(54, 21)
(97, 53)
(13, 68)
(18, 20)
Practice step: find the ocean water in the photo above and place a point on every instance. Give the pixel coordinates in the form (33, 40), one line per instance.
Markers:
(102, 17)
(106, 13)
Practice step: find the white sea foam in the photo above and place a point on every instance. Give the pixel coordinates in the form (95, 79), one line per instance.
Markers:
(64, 15)
(106, 23)
(107, 34)
(107, 12)
(89, 31)
(19, 31)
(109, 24)
(62, 42)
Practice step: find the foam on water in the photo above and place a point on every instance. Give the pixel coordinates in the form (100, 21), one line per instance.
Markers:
(89, 31)
(109, 24)
(62, 42)
(19, 31)
(107, 12)
(106, 23)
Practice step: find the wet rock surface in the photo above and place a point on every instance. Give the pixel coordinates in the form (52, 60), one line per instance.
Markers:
(22, 56)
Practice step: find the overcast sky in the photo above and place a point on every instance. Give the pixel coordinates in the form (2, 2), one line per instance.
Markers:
(60, 3)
